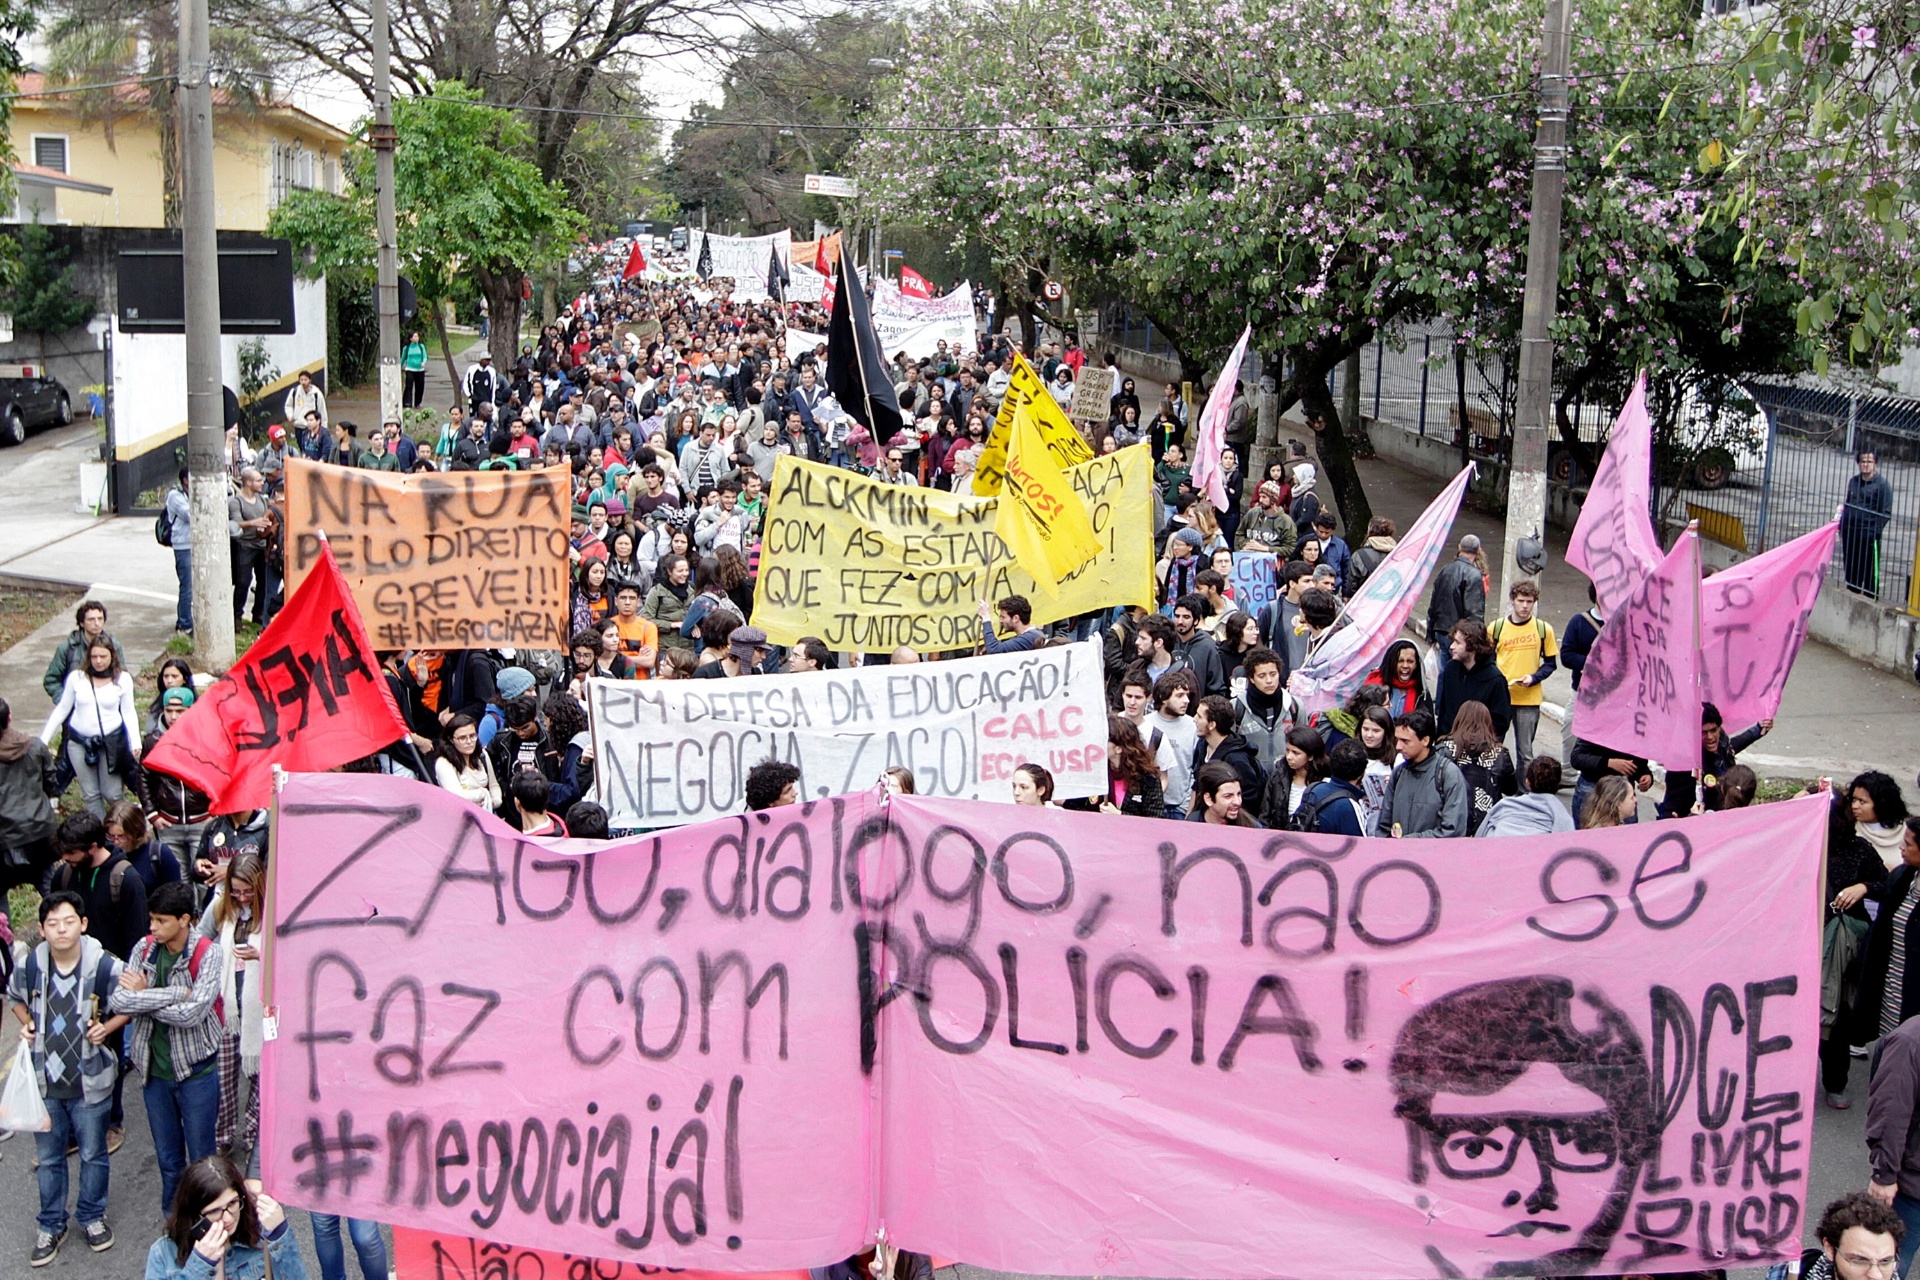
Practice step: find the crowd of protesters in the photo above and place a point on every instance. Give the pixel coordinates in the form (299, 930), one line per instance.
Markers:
(669, 407)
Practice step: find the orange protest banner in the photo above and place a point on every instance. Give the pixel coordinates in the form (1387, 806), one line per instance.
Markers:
(453, 560)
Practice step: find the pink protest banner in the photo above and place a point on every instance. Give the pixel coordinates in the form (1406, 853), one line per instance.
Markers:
(1640, 692)
(646, 1051)
(428, 1255)
(1753, 618)
(1212, 436)
(1373, 618)
(1613, 540)
(1067, 1043)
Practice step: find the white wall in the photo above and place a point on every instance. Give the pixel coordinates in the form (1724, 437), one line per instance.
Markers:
(150, 370)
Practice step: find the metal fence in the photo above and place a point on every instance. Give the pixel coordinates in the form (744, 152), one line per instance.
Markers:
(1790, 485)
(1813, 436)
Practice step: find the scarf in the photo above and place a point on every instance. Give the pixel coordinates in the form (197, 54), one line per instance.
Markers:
(247, 1008)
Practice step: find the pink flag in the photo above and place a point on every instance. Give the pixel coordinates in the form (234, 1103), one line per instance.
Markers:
(1213, 428)
(1613, 541)
(1640, 692)
(1752, 620)
(1379, 609)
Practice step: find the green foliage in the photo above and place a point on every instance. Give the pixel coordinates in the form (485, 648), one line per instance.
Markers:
(353, 334)
(257, 372)
(825, 72)
(43, 298)
(464, 201)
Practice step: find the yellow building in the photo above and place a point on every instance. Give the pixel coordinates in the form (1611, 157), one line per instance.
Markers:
(115, 179)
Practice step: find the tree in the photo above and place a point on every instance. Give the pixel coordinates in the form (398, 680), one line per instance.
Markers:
(802, 92)
(466, 204)
(43, 299)
(1330, 174)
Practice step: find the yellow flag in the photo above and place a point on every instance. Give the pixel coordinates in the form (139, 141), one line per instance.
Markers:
(1057, 433)
(1040, 518)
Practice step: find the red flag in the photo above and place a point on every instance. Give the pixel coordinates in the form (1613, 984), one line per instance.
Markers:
(308, 696)
(913, 284)
(636, 263)
(826, 250)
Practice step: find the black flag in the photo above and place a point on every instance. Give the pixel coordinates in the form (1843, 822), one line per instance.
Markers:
(776, 277)
(856, 373)
(704, 267)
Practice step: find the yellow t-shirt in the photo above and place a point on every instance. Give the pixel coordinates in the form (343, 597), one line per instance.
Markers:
(1519, 649)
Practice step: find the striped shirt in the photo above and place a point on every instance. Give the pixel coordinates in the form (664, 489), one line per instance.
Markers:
(1894, 1000)
(185, 1006)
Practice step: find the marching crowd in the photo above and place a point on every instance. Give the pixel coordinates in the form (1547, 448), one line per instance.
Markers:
(669, 407)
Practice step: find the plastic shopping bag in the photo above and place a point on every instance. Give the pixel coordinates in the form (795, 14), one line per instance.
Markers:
(20, 1104)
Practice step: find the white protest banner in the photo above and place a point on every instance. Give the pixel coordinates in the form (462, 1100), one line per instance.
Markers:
(1092, 396)
(744, 258)
(804, 284)
(917, 326)
(669, 752)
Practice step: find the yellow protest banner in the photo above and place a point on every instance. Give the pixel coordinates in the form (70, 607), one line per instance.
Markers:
(1041, 519)
(1065, 443)
(871, 566)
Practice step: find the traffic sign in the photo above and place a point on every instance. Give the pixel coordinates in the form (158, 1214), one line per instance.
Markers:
(1051, 290)
(826, 184)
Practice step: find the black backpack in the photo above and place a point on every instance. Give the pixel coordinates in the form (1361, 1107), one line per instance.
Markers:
(163, 526)
(1306, 819)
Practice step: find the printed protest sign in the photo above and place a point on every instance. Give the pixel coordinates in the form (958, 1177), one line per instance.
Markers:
(429, 1255)
(669, 752)
(445, 560)
(1065, 1038)
(1092, 396)
(1255, 581)
(870, 566)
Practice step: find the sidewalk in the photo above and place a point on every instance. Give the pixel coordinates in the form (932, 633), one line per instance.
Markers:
(44, 541)
(1839, 716)
(362, 404)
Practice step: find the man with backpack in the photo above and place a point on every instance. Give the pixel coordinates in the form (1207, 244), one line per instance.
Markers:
(1217, 741)
(60, 998)
(115, 899)
(174, 529)
(171, 988)
(1335, 805)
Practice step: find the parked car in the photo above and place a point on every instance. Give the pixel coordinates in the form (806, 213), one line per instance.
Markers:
(30, 398)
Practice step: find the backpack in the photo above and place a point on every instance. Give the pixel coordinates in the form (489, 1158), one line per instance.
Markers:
(1306, 819)
(163, 525)
(200, 948)
(103, 981)
(65, 875)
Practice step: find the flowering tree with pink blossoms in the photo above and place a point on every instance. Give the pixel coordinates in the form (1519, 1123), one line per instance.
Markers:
(1333, 171)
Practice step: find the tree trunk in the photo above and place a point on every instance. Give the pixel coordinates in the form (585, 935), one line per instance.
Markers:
(439, 314)
(1336, 451)
(502, 286)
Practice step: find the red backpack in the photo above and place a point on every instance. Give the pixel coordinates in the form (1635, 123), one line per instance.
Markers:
(194, 957)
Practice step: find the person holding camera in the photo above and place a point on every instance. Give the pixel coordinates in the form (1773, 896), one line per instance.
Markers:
(222, 1226)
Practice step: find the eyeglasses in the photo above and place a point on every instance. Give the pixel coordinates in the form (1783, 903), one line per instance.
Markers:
(1486, 1146)
(1885, 1266)
(222, 1208)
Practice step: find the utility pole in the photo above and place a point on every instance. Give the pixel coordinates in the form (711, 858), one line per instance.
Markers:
(387, 301)
(1527, 476)
(206, 434)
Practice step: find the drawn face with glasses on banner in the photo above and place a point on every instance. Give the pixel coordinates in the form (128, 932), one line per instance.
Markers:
(1523, 1127)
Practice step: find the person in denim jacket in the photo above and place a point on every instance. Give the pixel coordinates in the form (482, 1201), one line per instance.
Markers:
(221, 1226)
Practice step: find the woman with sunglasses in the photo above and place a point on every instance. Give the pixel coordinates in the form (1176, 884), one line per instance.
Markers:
(221, 1230)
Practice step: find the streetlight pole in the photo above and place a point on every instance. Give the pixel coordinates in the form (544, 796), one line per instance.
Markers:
(206, 432)
(1527, 474)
